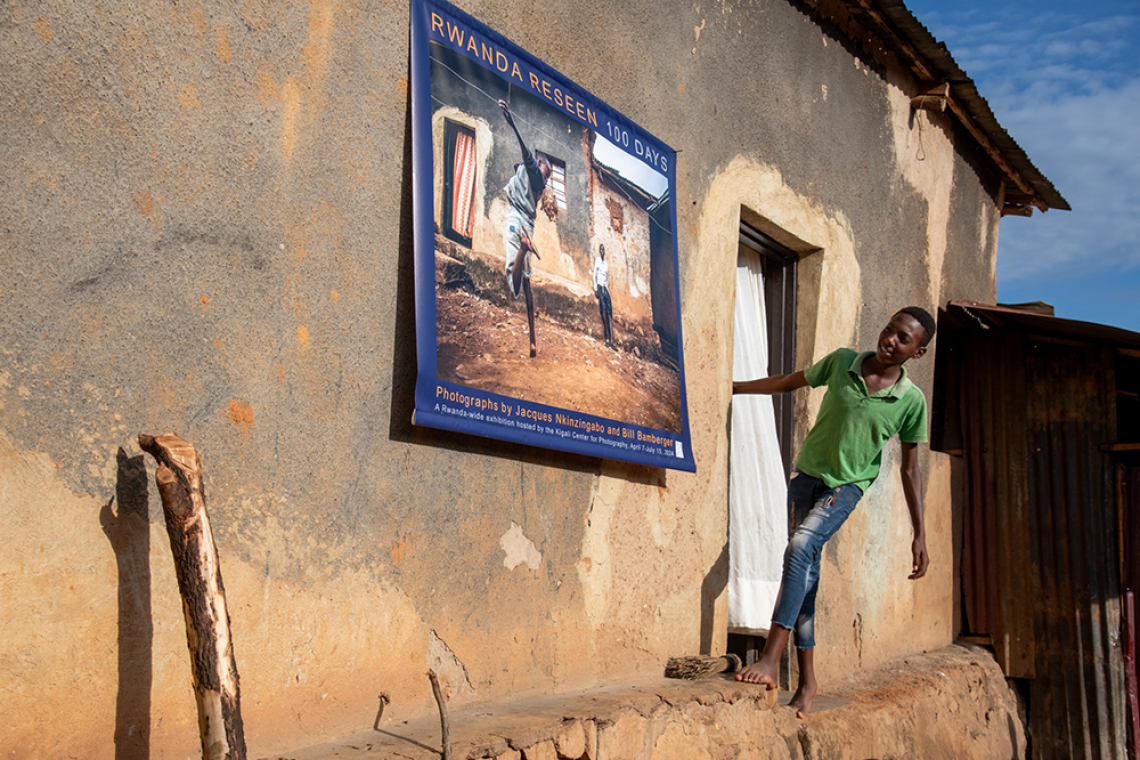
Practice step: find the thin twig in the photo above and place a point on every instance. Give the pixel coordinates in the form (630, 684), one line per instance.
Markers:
(444, 726)
(384, 700)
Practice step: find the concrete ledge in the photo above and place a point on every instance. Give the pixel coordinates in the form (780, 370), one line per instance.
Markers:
(953, 703)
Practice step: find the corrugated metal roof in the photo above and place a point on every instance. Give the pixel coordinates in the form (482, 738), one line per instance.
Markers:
(893, 23)
(989, 316)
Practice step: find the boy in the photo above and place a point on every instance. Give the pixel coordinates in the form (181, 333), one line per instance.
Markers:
(602, 293)
(523, 191)
(869, 399)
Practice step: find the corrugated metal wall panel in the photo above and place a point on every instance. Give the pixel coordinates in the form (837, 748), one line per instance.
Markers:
(996, 552)
(1128, 484)
(1041, 572)
(1065, 404)
(1076, 705)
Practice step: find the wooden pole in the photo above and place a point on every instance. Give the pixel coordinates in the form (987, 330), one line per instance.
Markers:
(444, 723)
(215, 676)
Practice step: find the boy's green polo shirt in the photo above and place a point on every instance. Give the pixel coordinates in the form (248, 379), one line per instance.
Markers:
(846, 443)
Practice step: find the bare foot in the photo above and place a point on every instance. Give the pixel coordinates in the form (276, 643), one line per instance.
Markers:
(759, 672)
(533, 351)
(803, 698)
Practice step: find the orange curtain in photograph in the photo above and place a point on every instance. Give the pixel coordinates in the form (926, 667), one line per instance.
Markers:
(463, 184)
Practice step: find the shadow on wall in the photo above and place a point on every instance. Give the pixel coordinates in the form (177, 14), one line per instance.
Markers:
(713, 585)
(404, 359)
(126, 522)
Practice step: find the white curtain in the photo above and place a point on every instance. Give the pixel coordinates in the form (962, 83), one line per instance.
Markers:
(757, 494)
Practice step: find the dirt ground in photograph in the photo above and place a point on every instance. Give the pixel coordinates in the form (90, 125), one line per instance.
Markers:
(484, 346)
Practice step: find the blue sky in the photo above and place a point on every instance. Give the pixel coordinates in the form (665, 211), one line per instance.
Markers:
(1063, 78)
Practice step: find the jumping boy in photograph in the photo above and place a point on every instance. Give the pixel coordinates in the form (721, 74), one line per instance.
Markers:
(523, 191)
(869, 400)
(602, 293)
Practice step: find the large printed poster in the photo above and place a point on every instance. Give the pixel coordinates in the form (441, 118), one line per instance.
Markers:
(547, 304)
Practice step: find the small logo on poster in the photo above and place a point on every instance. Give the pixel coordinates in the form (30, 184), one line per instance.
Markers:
(680, 450)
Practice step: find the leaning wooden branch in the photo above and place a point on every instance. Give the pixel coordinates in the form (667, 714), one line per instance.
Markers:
(444, 725)
(215, 676)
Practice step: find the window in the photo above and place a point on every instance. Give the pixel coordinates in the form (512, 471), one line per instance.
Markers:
(459, 181)
(558, 181)
(778, 266)
(760, 441)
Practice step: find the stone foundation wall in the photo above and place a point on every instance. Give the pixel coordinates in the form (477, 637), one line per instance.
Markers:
(953, 704)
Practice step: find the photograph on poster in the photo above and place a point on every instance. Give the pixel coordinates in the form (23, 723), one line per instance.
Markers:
(554, 253)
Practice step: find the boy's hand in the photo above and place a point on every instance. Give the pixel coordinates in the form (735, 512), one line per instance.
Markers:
(528, 244)
(912, 489)
(921, 559)
(507, 112)
(772, 384)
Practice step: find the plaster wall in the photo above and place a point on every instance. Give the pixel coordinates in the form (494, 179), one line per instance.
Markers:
(205, 229)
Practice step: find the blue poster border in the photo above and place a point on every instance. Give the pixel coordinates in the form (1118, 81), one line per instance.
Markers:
(450, 406)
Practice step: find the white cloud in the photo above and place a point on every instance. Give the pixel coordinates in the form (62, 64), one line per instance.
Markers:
(1067, 89)
(1089, 146)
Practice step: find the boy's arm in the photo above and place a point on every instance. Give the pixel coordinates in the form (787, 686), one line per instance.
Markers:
(773, 384)
(511, 120)
(912, 489)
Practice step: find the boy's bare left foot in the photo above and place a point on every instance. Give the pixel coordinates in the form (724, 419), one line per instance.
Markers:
(803, 698)
(759, 672)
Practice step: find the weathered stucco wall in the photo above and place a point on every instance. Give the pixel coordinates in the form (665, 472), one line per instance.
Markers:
(205, 228)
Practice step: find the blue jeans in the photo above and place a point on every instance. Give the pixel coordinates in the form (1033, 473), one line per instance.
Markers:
(817, 512)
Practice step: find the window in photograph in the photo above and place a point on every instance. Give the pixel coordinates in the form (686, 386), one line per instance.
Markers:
(459, 181)
(558, 181)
